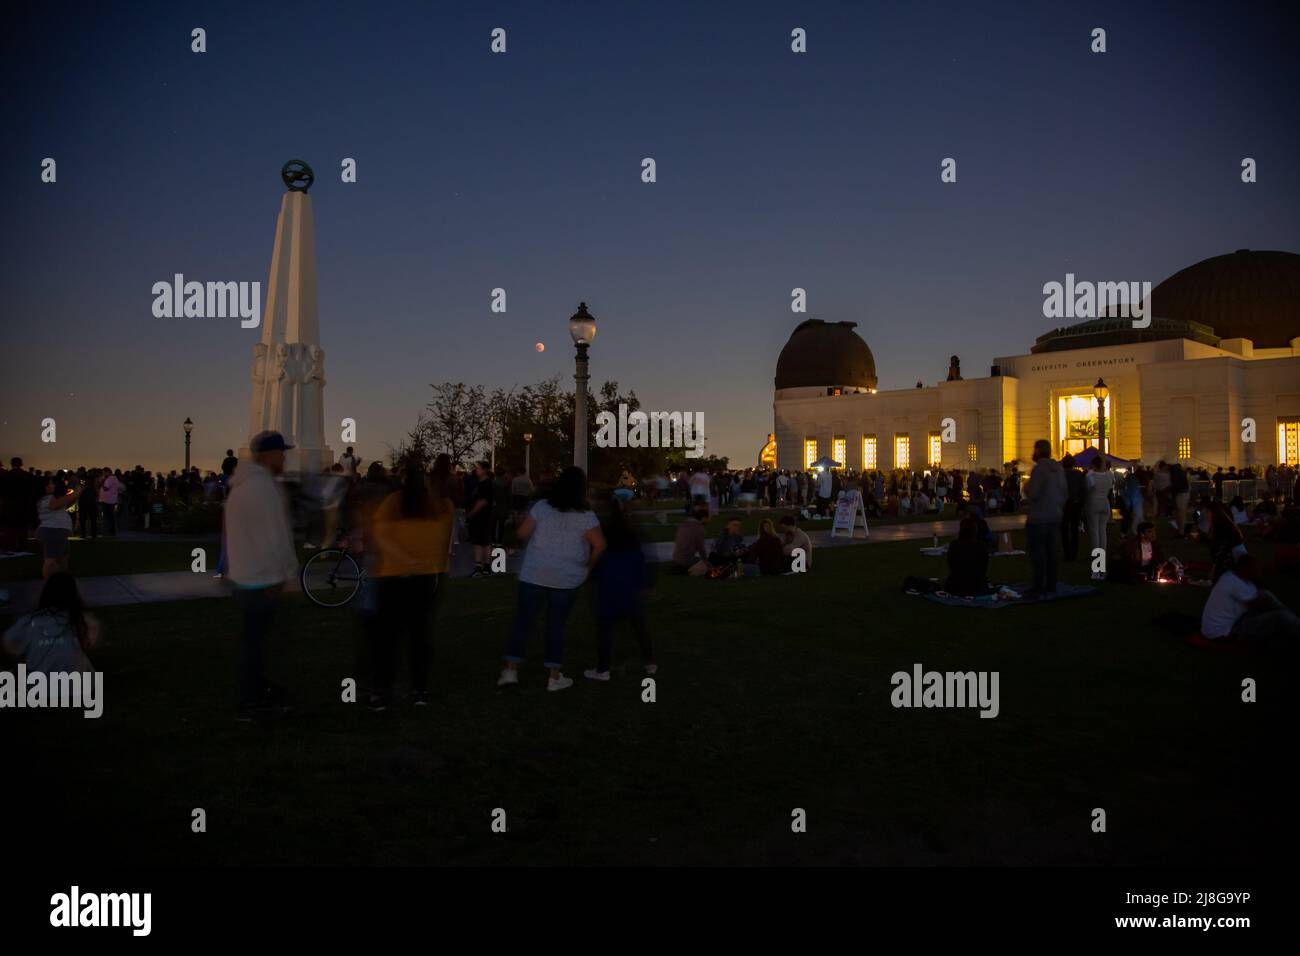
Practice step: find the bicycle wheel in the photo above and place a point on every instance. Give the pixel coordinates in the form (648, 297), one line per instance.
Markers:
(331, 578)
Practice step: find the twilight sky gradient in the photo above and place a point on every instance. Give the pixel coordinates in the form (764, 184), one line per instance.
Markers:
(522, 170)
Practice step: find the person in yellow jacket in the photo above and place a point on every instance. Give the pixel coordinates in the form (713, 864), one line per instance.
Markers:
(412, 536)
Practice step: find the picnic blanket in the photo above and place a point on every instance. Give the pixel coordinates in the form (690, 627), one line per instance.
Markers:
(943, 549)
(1063, 592)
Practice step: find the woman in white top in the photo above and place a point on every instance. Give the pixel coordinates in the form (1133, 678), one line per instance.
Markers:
(1096, 506)
(564, 542)
(55, 525)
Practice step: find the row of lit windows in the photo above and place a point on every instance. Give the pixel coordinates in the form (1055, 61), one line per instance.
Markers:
(1288, 447)
(870, 451)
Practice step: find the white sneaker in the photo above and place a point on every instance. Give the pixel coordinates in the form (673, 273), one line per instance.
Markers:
(593, 674)
(509, 675)
(559, 683)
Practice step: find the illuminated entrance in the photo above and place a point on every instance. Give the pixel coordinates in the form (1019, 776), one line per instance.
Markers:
(1076, 423)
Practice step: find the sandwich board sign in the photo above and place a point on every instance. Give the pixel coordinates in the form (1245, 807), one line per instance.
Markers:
(849, 510)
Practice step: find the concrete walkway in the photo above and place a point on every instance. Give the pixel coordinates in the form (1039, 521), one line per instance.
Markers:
(111, 590)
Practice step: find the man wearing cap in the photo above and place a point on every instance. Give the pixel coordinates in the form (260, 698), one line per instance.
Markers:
(261, 558)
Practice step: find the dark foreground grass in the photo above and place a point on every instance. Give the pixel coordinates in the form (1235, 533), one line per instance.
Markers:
(773, 694)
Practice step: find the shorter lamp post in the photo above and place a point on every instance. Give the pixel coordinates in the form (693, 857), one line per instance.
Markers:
(528, 455)
(189, 427)
(1101, 391)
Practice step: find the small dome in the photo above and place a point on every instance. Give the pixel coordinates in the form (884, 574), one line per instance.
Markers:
(1244, 294)
(825, 355)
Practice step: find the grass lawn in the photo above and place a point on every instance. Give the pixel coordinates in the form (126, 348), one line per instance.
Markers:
(772, 694)
(106, 556)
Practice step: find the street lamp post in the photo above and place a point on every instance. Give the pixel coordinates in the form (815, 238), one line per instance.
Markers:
(1100, 391)
(582, 326)
(528, 455)
(189, 427)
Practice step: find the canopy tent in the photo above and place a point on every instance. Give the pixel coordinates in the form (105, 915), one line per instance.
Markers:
(825, 462)
(1086, 457)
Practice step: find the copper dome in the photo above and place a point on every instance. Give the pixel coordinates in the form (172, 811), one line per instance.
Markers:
(825, 355)
(1244, 294)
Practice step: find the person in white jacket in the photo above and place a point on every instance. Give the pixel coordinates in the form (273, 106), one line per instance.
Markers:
(261, 558)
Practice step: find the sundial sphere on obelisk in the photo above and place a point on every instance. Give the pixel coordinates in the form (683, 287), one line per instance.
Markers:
(288, 363)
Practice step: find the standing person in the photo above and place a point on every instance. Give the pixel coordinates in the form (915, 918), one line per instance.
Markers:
(412, 538)
(1180, 488)
(478, 519)
(1046, 493)
(564, 542)
(261, 558)
(55, 525)
(622, 581)
(825, 483)
(521, 489)
(228, 466)
(501, 498)
(1096, 507)
(109, 488)
(1135, 497)
(19, 491)
(1076, 492)
(351, 464)
(88, 506)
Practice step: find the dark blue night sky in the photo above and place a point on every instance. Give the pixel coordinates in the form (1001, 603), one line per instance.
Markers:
(522, 170)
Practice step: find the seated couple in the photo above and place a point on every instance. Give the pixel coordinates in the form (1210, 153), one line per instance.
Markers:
(1239, 609)
(771, 553)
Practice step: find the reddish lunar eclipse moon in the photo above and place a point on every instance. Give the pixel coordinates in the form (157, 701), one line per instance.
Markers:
(540, 347)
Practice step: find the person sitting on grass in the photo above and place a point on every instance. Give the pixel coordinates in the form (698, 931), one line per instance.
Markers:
(1238, 511)
(968, 562)
(690, 556)
(1223, 536)
(55, 637)
(729, 547)
(795, 538)
(767, 552)
(1239, 609)
(1143, 557)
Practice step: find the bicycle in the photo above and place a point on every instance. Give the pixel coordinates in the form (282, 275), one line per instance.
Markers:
(332, 577)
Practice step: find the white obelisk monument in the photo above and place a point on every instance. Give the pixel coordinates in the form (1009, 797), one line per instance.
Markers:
(289, 364)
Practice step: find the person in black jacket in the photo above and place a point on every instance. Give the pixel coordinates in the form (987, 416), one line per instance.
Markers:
(1076, 490)
(968, 562)
(622, 579)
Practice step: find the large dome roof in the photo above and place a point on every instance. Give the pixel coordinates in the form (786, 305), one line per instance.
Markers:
(825, 354)
(1245, 294)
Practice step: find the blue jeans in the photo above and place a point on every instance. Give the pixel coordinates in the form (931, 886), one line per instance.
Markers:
(558, 602)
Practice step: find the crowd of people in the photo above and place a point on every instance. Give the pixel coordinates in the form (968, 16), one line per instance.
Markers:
(403, 522)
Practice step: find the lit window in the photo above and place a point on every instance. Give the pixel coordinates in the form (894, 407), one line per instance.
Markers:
(868, 452)
(972, 453)
(902, 451)
(840, 449)
(1288, 442)
(809, 452)
(934, 449)
(1184, 448)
